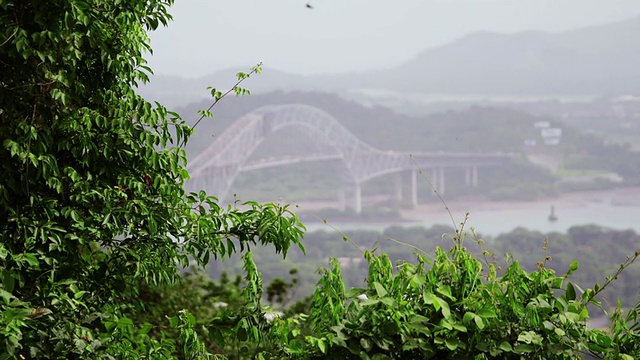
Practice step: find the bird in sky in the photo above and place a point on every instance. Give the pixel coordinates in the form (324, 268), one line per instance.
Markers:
(309, 6)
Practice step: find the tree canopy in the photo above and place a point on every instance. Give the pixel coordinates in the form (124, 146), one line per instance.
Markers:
(92, 201)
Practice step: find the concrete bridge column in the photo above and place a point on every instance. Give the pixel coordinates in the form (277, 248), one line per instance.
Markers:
(358, 198)
(414, 187)
(471, 176)
(434, 180)
(397, 189)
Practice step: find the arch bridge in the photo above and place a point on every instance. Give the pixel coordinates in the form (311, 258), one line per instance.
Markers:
(216, 168)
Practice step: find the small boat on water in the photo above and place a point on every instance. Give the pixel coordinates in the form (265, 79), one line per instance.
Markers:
(553, 216)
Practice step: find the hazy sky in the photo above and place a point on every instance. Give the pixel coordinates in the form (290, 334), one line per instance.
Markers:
(349, 35)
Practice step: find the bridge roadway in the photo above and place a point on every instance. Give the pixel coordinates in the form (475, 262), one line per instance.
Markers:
(216, 167)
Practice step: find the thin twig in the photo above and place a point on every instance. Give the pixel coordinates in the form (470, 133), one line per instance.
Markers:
(324, 221)
(446, 207)
(410, 246)
(609, 279)
(10, 36)
(254, 70)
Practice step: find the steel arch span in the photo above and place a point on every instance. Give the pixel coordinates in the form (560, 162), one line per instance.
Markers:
(217, 166)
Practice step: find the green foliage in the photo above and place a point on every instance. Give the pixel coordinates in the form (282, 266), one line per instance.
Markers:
(95, 226)
(452, 308)
(450, 305)
(92, 202)
(598, 250)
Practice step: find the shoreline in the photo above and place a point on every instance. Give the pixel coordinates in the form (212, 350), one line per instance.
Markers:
(626, 196)
(623, 196)
(613, 208)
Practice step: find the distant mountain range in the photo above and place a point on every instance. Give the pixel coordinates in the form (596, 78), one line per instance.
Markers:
(598, 60)
(591, 61)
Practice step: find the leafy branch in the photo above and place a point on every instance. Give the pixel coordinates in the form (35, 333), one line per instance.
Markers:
(218, 95)
(589, 295)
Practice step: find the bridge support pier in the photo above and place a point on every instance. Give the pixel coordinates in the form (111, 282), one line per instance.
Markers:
(438, 180)
(397, 190)
(471, 176)
(358, 198)
(344, 194)
(397, 187)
